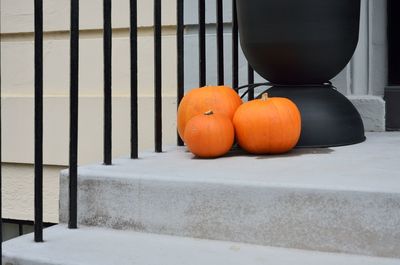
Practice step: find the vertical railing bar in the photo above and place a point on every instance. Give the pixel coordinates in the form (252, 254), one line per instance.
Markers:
(220, 42)
(202, 43)
(38, 227)
(107, 39)
(180, 56)
(20, 229)
(1, 175)
(134, 78)
(250, 76)
(73, 117)
(157, 77)
(235, 47)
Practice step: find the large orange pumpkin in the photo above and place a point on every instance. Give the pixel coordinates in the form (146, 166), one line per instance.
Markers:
(209, 135)
(221, 99)
(267, 125)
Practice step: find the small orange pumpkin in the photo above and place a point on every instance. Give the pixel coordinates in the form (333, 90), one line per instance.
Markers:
(209, 135)
(221, 99)
(267, 125)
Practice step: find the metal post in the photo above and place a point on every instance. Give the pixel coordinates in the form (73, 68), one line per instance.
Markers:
(202, 43)
(107, 39)
(73, 117)
(180, 54)
(134, 78)
(220, 42)
(157, 77)
(235, 47)
(250, 76)
(38, 121)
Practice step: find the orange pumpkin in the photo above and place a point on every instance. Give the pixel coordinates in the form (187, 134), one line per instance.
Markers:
(267, 125)
(221, 99)
(209, 135)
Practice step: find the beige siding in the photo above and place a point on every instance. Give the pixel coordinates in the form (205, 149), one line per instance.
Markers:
(17, 16)
(18, 82)
(18, 192)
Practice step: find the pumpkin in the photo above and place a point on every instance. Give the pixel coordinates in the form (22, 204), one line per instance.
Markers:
(221, 99)
(209, 135)
(267, 125)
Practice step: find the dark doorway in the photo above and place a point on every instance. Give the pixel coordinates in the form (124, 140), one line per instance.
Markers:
(392, 92)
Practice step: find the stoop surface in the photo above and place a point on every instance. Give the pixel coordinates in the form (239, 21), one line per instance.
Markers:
(343, 199)
(99, 246)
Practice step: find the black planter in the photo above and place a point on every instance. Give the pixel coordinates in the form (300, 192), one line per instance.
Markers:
(298, 41)
(305, 43)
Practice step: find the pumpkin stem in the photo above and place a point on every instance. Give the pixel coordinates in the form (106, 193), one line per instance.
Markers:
(210, 112)
(264, 97)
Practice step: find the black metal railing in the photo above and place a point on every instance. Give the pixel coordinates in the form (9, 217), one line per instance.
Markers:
(220, 42)
(235, 47)
(202, 43)
(107, 42)
(73, 116)
(134, 78)
(157, 78)
(250, 74)
(180, 55)
(38, 120)
(1, 175)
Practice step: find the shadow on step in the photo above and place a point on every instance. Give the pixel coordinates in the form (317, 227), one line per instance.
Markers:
(237, 152)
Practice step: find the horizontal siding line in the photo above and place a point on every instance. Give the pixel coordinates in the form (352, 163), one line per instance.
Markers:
(211, 28)
(66, 96)
(117, 33)
(85, 34)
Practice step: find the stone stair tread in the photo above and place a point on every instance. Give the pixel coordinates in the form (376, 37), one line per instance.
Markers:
(101, 246)
(369, 166)
(343, 199)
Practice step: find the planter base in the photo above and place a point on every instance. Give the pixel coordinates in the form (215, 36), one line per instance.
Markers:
(328, 117)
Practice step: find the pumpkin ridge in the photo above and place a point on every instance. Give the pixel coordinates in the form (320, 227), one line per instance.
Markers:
(276, 121)
(278, 107)
(293, 118)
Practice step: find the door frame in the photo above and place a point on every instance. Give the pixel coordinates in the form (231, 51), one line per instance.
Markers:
(392, 91)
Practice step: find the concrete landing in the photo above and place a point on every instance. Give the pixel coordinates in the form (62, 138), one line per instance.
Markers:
(344, 199)
(98, 246)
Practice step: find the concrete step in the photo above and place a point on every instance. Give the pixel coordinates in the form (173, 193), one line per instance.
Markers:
(100, 246)
(344, 199)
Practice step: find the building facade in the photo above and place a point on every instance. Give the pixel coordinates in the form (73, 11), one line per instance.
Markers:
(364, 81)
